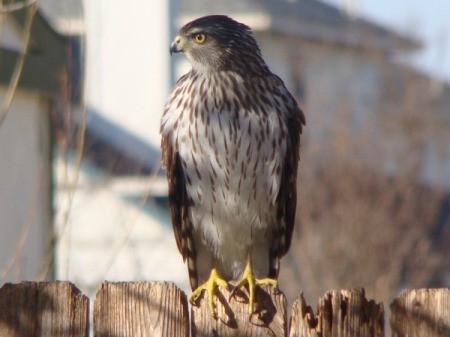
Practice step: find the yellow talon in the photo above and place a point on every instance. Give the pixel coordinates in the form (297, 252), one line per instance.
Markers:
(210, 285)
(249, 278)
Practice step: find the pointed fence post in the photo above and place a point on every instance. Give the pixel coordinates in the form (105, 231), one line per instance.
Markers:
(345, 313)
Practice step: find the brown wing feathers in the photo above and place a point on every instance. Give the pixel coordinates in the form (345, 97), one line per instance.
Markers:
(179, 205)
(287, 196)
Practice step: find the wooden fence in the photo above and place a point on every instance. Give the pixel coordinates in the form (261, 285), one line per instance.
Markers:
(155, 309)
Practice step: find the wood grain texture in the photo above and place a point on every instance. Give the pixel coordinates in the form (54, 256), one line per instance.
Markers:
(421, 312)
(345, 313)
(233, 319)
(31, 309)
(156, 309)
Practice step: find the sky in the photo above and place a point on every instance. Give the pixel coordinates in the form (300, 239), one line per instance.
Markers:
(427, 20)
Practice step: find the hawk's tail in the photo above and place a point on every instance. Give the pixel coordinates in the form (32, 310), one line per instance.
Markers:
(274, 266)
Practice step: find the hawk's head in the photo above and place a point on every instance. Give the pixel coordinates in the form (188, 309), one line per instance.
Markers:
(217, 42)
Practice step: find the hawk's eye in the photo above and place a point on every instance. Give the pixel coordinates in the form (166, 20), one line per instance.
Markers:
(199, 38)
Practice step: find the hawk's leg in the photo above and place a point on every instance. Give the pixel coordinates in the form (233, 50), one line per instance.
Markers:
(249, 278)
(210, 285)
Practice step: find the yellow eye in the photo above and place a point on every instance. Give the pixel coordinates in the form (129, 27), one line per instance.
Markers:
(199, 38)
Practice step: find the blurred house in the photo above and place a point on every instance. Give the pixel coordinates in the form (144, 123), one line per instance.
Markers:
(26, 142)
(110, 195)
(110, 202)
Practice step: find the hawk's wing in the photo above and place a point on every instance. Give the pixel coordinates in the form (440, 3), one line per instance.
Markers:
(287, 195)
(179, 205)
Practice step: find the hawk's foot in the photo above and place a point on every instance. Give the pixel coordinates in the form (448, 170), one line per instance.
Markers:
(210, 285)
(249, 278)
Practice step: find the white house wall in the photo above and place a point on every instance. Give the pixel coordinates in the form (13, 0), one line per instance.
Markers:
(127, 62)
(342, 101)
(25, 220)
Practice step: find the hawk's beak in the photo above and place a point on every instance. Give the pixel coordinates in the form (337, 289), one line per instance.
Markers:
(176, 45)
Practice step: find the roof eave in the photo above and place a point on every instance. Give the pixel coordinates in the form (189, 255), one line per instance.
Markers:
(349, 36)
(44, 60)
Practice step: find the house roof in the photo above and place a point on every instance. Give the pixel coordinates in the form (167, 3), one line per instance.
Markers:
(66, 16)
(44, 60)
(310, 19)
(115, 149)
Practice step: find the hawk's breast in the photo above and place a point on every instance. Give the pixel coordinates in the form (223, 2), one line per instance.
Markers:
(231, 139)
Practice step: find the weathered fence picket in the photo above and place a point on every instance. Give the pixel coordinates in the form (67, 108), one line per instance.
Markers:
(160, 309)
(422, 312)
(31, 309)
(140, 309)
(342, 313)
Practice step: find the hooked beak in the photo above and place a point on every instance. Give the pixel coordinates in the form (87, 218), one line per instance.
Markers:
(176, 45)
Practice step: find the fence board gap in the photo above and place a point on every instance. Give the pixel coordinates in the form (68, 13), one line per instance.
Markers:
(156, 309)
(421, 312)
(233, 319)
(342, 313)
(43, 309)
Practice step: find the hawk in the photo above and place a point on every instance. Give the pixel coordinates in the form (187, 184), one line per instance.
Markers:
(230, 138)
